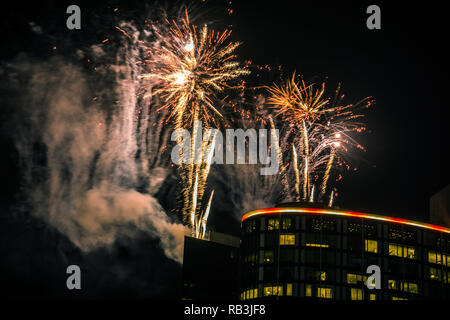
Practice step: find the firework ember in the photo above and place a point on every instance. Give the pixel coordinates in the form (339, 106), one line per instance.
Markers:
(187, 66)
(324, 127)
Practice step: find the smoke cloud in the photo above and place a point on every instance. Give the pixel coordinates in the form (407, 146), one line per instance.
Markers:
(90, 151)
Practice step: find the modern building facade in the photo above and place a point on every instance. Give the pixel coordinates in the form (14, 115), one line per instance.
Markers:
(298, 251)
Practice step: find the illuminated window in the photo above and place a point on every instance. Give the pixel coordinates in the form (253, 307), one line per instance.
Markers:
(435, 274)
(398, 298)
(308, 290)
(371, 246)
(403, 286)
(289, 289)
(411, 253)
(372, 296)
(249, 294)
(356, 294)
(286, 223)
(324, 293)
(402, 251)
(438, 258)
(268, 256)
(287, 239)
(432, 257)
(273, 224)
(322, 275)
(355, 278)
(413, 288)
(273, 291)
(318, 245)
(392, 284)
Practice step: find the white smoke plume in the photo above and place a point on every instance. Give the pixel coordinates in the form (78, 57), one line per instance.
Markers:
(99, 142)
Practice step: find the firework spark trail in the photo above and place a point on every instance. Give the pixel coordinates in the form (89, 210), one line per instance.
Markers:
(206, 215)
(327, 174)
(186, 69)
(324, 128)
(297, 175)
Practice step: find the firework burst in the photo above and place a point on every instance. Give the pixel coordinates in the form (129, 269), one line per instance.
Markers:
(324, 126)
(187, 67)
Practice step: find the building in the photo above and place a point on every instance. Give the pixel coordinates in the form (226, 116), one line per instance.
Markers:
(210, 267)
(302, 251)
(440, 207)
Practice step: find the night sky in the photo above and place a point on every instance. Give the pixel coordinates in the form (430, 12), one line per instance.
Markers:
(403, 66)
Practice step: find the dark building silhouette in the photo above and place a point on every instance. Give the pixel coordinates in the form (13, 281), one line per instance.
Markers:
(297, 251)
(440, 207)
(210, 267)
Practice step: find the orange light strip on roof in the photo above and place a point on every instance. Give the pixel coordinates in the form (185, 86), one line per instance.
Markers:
(346, 214)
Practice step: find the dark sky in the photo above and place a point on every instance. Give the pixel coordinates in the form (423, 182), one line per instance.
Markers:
(403, 66)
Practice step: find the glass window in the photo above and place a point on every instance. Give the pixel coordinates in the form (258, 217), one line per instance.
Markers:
(351, 278)
(435, 274)
(287, 254)
(398, 298)
(413, 288)
(289, 289)
(308, 290)
(268, 256)
(273, 224)
(273, 291)
(324, 293)
(402, 251)
(317, 275)
(371, 246)
(373, 296)
(317, 245)
(355, 278)
(287, 239)
(392, 284)
(356, 294)
(286, 223)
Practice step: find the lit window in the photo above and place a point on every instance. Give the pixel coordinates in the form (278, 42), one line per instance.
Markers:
(324, 293)
(356, 294)
(373, 296)
(318, 245)
(268, 256)
(398, 298)
(308, 290)
(286, 223)
(287, 239)
(351, 278)
(273, 291)
(393, 249)
(413, 288)
(289, 289)
(438, 258)
(432, 257)
(435, 274)
(273, 224)
(411, 253)
(402, 251)
(354, 278)
(321, 275)
(371, 246)
(392, 284)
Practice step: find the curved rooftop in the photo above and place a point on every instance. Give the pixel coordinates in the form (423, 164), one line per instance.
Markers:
(308, 208)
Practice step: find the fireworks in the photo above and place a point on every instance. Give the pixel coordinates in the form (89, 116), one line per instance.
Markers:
(324, 127)
(186, 67)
